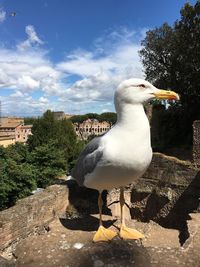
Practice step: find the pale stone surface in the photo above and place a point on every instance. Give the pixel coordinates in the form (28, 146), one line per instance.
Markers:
(58, 247)
(168, 192)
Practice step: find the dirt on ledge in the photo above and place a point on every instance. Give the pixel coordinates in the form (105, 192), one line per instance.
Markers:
(68, 243)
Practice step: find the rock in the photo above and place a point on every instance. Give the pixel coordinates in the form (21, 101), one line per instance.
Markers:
(159, 248)
(38, 231)
(5, 263)
(31, 214)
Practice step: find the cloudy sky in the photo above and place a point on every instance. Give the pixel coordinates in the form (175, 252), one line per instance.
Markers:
(71, 54)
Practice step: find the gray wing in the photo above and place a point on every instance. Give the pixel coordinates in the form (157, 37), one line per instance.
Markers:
(87, 160)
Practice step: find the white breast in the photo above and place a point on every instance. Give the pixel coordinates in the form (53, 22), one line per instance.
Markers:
(127, 153)
(122, 163)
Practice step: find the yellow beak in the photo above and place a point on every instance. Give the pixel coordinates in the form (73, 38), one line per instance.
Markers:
(164, 94)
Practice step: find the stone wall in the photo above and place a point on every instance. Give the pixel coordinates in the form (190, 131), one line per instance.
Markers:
(168, 183)
(32, 214)
(167, 193)
(196, 142)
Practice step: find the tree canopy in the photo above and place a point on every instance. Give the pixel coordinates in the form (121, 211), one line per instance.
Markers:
(171, 58)
(49, 153)
(171, 54)
(110, 117)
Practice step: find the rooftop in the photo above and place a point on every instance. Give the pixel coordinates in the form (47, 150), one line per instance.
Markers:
(9, 125)
(6, 137)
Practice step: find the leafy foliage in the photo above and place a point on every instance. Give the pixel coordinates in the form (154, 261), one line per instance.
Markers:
(17, 176)
(60, 133)
(50, 152)
(171, 57)
(110, 117)
(29, 120)
(49, 163)
(80, 118)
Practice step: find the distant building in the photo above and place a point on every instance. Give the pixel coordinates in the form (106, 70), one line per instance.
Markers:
(60, 115)
(13, 130)
(7, 120)
(68, 116)
(6, 140)
(23, 133)
(91, 127)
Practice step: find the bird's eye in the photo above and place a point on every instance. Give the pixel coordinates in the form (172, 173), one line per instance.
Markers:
(141, 85)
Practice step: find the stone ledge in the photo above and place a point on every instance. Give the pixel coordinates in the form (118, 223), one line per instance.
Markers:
(32, 213)
(167, 193)
(66, 244)
(196, 142)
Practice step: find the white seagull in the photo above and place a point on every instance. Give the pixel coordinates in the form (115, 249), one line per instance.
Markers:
(123, 154)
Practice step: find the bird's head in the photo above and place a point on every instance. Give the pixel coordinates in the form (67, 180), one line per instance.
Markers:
(134, 91)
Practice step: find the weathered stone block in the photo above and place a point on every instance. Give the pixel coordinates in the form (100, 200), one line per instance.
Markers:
(196, 142)
(32, 213)
(167, 192)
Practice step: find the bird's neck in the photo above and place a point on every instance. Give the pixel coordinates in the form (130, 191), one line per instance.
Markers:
(132, 117)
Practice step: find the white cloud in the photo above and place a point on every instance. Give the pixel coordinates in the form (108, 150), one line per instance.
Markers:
(32, 39)
(2, 15)
(103, 69)
(22, 104)
(43, 100)
(28, 69)
(28, 82)
(118, 52)
(84, 63)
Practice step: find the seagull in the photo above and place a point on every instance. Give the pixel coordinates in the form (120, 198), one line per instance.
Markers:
(123, 154)
(13, 14)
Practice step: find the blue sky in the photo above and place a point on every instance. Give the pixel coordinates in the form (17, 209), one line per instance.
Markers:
(70, 54)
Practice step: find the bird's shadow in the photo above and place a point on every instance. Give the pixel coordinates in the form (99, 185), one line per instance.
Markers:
(86, 223)
(83, 202)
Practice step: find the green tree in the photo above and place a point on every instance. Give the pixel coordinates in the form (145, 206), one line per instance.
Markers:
(66, 139)
(44, 129)
(49, 163)
(22, 178)
(171, 57)
(51, 151)
(17, 177)
(47, 131)
(5, 185)
(80, 118)
(29, 120)
(110, 117)
(18, 152)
